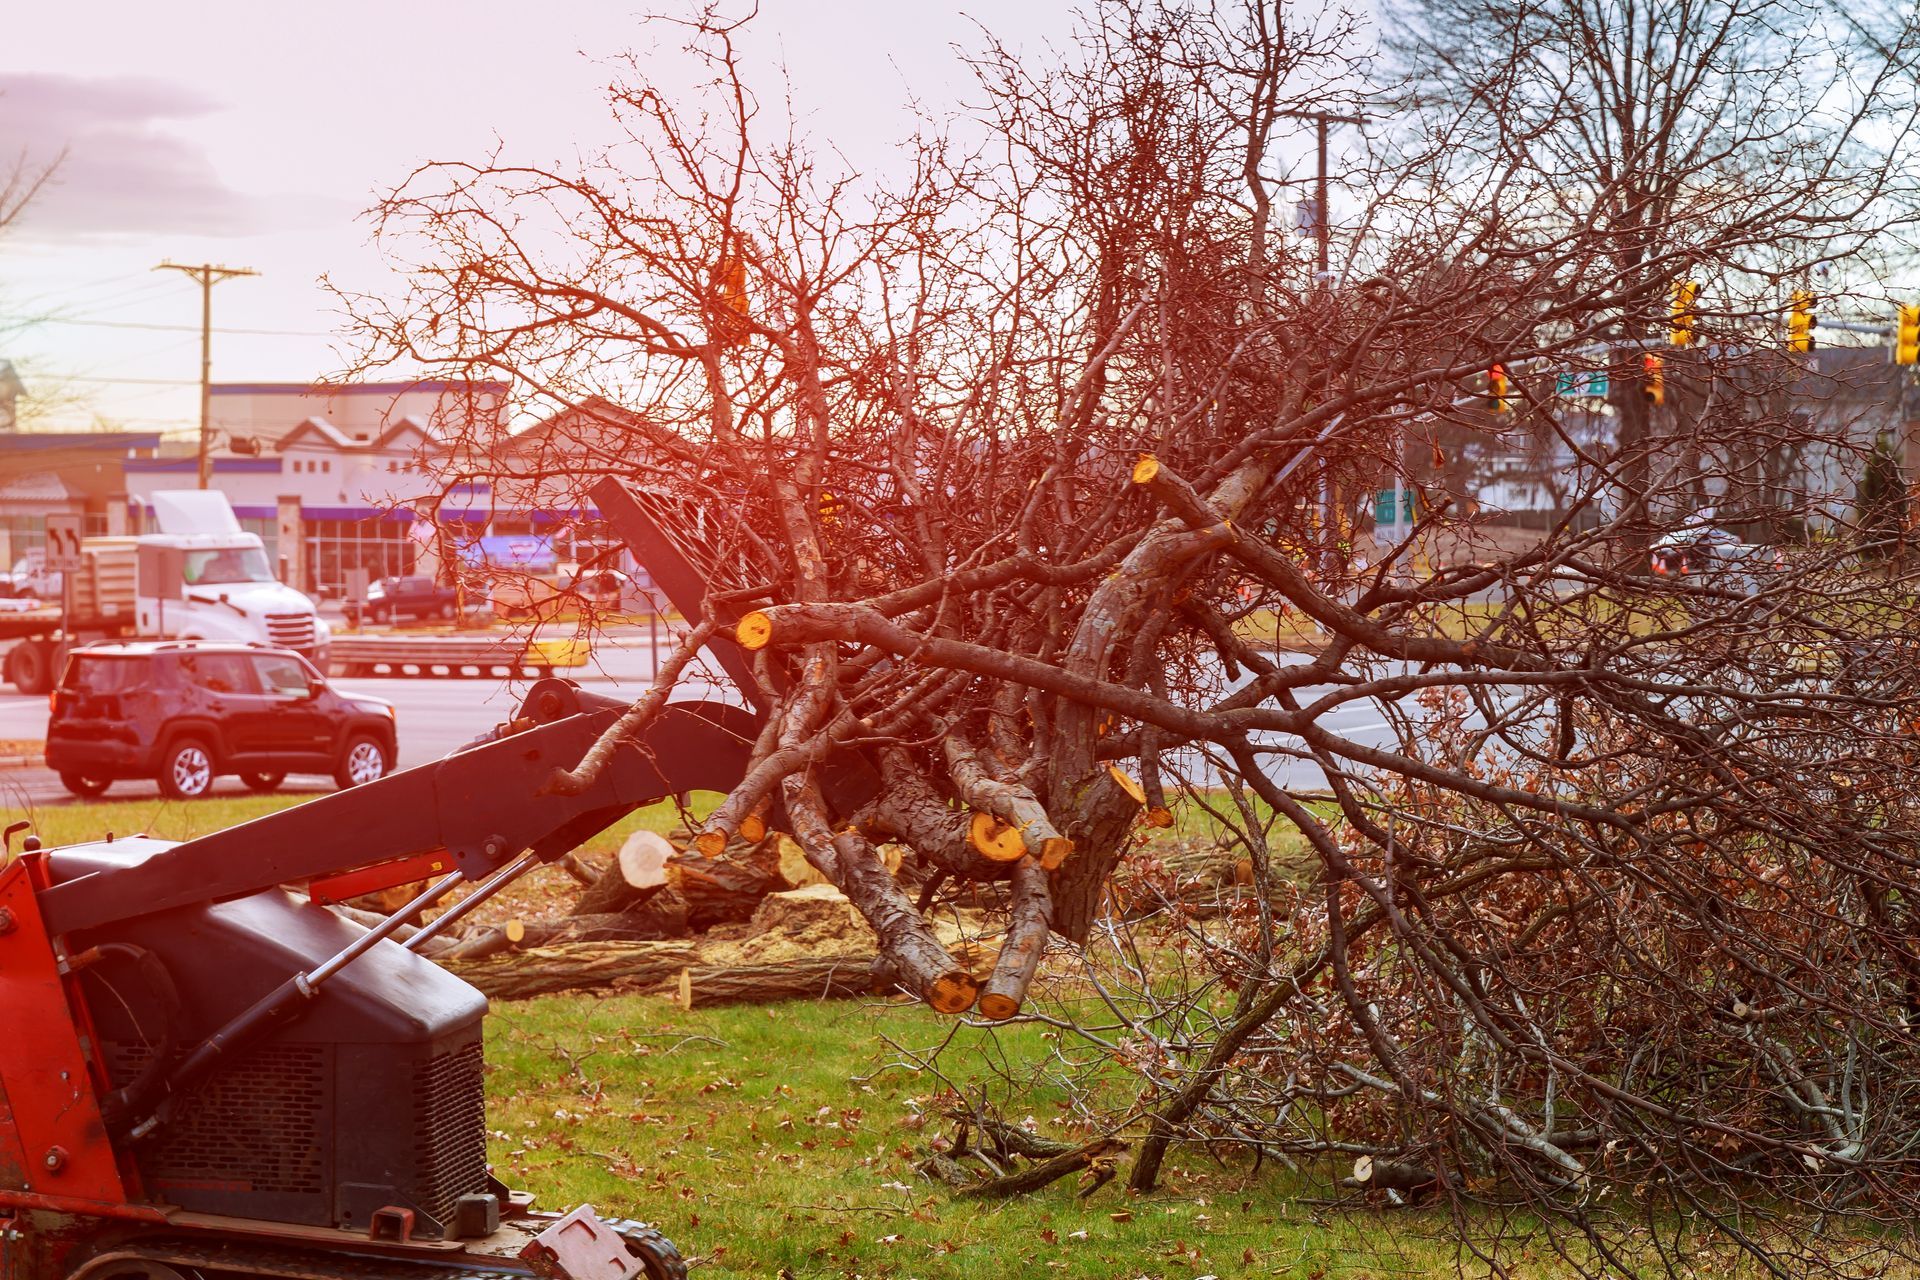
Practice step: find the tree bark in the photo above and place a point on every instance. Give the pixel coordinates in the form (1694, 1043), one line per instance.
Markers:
(575, 967)
(1026, 942)
(663, 918)
(636, 874)
(702, 986)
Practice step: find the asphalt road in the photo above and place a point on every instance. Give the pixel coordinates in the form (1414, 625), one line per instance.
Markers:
(438, 715)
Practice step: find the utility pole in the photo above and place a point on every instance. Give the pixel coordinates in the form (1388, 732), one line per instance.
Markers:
(208, 275)
(1323, 280)
(1322, 225)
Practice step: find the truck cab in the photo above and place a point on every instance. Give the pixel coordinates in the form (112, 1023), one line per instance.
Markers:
(214, 581)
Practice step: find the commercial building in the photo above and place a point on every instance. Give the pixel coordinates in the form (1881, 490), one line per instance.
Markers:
(330, 477)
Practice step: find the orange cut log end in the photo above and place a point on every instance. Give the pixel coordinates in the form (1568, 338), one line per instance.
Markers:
(1126, 783)
(994, 839)
(1146, 469)
(998, 1008)
(753, 828)
(1160, 816)
(711, 843)
(953, 993)
(1055, 851)
(755, 631)
(515, 931)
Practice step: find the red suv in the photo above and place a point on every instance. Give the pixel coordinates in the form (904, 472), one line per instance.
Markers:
(185, 712)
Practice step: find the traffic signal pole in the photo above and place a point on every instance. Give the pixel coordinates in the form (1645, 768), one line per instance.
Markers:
(208, 275)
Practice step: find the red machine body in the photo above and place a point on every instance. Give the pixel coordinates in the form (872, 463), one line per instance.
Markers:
(205, 1074)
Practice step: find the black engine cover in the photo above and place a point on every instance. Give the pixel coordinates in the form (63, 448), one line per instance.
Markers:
(373, 1097)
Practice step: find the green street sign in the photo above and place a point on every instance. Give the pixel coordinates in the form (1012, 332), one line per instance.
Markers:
(1581, 383)
(1383, 506)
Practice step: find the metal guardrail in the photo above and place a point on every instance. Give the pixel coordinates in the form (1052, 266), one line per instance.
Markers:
(449, 656)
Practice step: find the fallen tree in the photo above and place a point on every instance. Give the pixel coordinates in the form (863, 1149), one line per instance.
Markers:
(1006, 479)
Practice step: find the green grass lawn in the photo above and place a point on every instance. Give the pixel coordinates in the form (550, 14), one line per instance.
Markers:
(777, 1139)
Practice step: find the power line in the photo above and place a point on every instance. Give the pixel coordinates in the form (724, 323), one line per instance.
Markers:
(132, 382)
(168, 328)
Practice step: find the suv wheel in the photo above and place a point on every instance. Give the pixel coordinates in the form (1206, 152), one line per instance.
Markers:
(363, 761)
(446, 609)
(81, 785)
(186, 770)
(263, 782)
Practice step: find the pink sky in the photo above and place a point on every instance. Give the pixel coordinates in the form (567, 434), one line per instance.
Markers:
(253, 134)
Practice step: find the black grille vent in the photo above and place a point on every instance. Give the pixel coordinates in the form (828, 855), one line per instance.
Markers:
(450, 1129)
(255, 1126)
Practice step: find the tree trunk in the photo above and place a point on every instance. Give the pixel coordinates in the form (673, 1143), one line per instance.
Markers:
(637, 874)
(724, 890)
(576, 966)
(662, 918)
(702, 986)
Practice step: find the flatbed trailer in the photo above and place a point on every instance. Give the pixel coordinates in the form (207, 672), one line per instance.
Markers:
(41, 636)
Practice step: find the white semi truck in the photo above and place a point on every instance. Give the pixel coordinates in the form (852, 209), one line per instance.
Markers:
(201, 577)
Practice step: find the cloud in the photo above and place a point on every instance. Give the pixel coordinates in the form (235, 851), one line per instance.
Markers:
(123, 170)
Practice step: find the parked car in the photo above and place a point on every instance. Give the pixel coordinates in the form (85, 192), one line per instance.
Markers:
(390, 599)
(186, 712)
(1716, 557)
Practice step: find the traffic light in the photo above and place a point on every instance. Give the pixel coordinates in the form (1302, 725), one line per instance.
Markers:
(1680, 331)
(1499, 390)
(1906, 338)
(1800, 322)
(1656, 387)
(730, 284)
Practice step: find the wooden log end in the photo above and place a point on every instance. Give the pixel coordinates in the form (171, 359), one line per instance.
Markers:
(1146, 469)
(1160, 816)
(753, 828)
(755, 631)
(1054, 852)
(642, 860)
(954, 992)
(996, 1007)
(1125, 782)
(515, 930)
(711, 843)
(995, 840)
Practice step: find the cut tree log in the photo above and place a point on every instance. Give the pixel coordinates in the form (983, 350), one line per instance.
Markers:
(725, 890)
(575, 967)
(637, 873)
(702, 986)
(1025, 943)
(1014, 805)
(662, 918)
(1376, 1174)
(1091, 1155)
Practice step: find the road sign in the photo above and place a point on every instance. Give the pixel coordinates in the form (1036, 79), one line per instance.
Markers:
(63, 542)
(1383, 512)
(1582, 383)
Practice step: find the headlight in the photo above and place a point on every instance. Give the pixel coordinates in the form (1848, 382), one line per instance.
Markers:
(322, 629)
